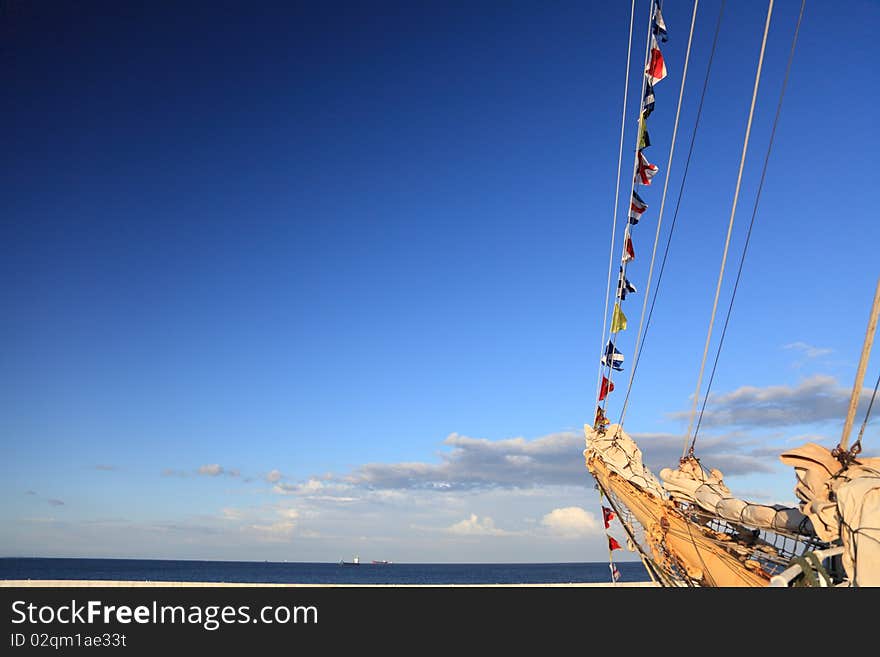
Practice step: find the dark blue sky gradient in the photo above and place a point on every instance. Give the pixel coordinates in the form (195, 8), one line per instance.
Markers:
(310, 236)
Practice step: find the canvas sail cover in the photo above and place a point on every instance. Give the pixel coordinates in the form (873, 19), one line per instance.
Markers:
(843, 504)
(858, 501)
(814, 468)
(691, 483)
(621, 454)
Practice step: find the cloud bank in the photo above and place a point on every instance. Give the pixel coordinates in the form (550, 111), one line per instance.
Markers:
(818, 398)
(478, 463)
(491, 500)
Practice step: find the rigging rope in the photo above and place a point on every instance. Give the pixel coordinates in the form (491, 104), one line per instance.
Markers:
(858, 444)
(730, 224)
(751, 223)
(609, 360)
(660, 214)
(617, 187)
(628, 529)
(677, 204)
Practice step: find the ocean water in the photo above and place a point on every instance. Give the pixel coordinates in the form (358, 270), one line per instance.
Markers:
(155, 570)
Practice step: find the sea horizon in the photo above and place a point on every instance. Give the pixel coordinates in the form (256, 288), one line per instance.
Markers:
(332, 561)
(310, 572)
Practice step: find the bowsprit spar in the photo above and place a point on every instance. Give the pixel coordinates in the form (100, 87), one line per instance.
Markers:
(686, 526)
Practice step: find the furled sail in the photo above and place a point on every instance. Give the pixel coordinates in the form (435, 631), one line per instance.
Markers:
(620, 454)
(842, 502)
(691, 483)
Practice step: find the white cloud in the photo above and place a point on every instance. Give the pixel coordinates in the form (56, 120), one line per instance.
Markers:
(808, 350)
(806, 438)
(232, 514)
(279, 530)
(474, 526)
(571, 522)
(215, 470)
(390, 496)
(273, 476)
(310, 487)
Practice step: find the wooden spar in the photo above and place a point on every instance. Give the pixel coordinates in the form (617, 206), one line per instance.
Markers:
(860, 373)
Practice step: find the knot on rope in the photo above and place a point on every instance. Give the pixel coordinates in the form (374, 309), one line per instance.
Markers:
(847, 457)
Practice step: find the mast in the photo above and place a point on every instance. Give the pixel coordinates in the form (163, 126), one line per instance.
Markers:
(860, 372)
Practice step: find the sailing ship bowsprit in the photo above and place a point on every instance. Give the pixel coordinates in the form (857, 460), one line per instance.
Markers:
(685, 524)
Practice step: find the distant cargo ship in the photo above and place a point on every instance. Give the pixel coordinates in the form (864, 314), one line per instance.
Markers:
(383, 562)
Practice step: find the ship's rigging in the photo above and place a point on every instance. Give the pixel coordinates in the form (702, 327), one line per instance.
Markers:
(686, 525)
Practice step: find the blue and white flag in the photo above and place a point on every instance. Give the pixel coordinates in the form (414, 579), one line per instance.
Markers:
(659, 25)
(612, 357)
(648, 102)
(624, 286)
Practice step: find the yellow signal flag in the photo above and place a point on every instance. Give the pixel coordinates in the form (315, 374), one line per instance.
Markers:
(644, 138)
(618, 319)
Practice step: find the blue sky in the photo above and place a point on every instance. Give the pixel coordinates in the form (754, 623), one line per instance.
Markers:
(300, 281)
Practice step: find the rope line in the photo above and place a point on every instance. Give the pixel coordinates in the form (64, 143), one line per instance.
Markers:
(729, 225)
(678, 202)
(867, 415)
(626, 232)
(632, 11)
(751, 223)
(662, 205)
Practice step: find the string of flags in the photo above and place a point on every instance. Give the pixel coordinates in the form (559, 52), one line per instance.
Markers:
(608, 515)
(612, 359)
(615, 574)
